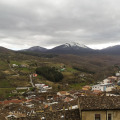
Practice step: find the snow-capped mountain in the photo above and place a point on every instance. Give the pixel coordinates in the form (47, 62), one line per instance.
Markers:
(71, 48)
(74, 45)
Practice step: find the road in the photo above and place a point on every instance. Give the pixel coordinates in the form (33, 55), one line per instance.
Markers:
(31, 81)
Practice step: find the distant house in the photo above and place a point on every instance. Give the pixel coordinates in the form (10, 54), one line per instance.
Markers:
(9, 117)
(87, 87)
(97, 92)
(118, 83)
(118, 74)
(22, 88)
(23, 66)
(68, 99)
(63, 93)
(105, 81)
(12, 101)
(113, 79)
(46, 87)
(63, 69)
(39, 86)
(15, 116)
(110, 94)
(43, 87)
(99, 108)
(14, 65)
(34, 75)
(103, 87)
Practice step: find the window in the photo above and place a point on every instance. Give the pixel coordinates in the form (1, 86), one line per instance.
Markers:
(109, 117)
(97, 117)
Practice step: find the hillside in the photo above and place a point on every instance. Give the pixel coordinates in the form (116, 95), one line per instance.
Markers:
(76, 70)
(35, 49)
(113, 50)
(89, 64)
(4, 50)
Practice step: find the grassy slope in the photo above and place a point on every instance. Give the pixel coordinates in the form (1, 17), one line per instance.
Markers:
(102, 65)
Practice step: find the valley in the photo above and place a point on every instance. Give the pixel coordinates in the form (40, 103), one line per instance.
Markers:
(36, 84)
(77, 70)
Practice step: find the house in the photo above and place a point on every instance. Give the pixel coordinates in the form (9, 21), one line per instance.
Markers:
(63, 69)
(45, 86)
(68, 99)
(110, 94)
(105, 81)
(99, 108)
(14, 101)
(97, 87)
(63, 93)
(118, 74)
(97, 92)
(34, 75)
(39, 86)
(23, 66)
(9, 117)
(14, 116)
(87, 87)
(22, 88)
(112, 78)
(14, 65)
(113, 93)
(103, 87)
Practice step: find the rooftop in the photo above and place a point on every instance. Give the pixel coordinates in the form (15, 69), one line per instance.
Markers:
(99, 103)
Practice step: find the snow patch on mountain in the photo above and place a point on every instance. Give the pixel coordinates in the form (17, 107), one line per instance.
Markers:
(73, 44)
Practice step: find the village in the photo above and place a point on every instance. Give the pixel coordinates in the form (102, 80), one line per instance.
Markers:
(59, 60)
(41, 103)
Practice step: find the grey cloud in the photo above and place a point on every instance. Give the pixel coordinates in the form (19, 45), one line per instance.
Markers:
(53, 22)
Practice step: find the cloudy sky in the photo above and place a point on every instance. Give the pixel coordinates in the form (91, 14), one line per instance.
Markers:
(47, 23)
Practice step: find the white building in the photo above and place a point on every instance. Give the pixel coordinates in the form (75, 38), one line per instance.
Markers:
(39, 86)
(14, 65)
(105, 81)
(103, 87)
(118, 74)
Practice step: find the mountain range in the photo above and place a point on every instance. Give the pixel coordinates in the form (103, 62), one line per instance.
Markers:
(70, 48)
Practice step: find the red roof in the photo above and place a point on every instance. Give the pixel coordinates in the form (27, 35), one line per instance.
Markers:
(12, 101)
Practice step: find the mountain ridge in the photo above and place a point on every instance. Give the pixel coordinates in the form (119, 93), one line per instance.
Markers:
(69, 48)
(35, 49)
(112, 50)
(5, 50)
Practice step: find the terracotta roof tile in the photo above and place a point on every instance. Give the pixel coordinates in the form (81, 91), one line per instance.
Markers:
(99, 103)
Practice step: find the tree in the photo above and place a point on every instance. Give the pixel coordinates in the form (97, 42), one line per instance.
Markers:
(50, 73)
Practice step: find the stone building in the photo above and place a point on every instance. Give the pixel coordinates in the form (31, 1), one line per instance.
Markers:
(99, 108)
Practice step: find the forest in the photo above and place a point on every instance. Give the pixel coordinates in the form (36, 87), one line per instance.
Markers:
(50, 73)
